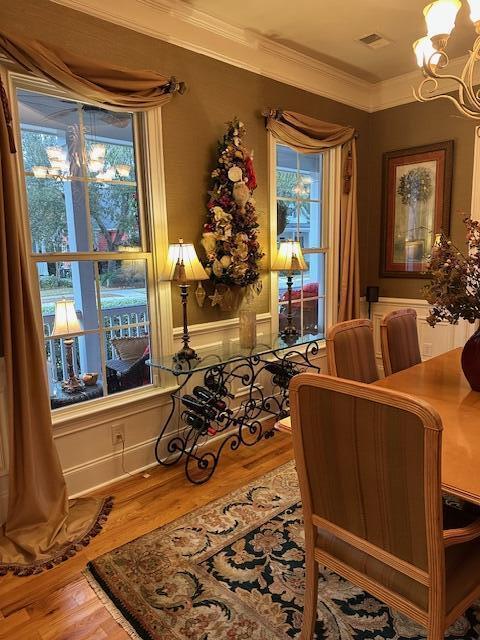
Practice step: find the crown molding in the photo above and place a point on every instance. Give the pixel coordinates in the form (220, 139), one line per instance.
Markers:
(178, 23)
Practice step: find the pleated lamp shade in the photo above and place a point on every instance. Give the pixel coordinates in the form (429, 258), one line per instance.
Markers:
(289, 257)
(182, 264)
(66, 320)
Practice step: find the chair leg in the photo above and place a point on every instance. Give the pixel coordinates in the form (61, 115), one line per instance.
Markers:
(436, 628)
(436, 634)
(311, 588)
(436, 607)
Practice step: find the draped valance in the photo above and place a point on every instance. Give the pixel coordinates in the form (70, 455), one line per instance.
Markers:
(110, 86)
(306, 134)
(103, 85)
(309, 135)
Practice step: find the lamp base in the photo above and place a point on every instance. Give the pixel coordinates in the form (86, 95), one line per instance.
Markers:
(72, 385)
(186, 353)
(289, 334)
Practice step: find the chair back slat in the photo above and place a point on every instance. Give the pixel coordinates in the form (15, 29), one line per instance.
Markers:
(351, 352)
(399, 338)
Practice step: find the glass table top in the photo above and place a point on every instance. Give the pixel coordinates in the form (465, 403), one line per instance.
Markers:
(230, 351)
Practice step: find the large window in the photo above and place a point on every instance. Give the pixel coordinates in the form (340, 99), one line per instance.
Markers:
(303, 214)
(88, 239)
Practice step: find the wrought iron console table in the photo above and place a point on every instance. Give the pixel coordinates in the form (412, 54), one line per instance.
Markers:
(207, 412)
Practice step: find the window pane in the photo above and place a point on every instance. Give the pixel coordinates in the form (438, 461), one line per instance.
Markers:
(123, 292)
(126, 358)
(310, 225)
(123, 296)
(286, 220)
(71, 281)
(287, 174)
(313, 316)
(310, 174)
(114, 215)
(47, 214)
(314, 278)
(86, 360)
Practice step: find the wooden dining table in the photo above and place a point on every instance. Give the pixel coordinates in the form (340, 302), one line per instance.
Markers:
(440, 381)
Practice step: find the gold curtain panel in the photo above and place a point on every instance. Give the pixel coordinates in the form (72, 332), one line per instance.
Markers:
(43, 527)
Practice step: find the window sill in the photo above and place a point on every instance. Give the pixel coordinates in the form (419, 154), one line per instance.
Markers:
(89, 411)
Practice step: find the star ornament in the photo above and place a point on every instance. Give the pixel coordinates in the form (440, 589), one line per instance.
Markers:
(216, 298)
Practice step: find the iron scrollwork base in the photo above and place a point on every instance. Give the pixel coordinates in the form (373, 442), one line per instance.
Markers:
(242, 425)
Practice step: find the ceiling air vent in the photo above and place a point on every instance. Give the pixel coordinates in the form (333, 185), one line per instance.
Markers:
(374, 41)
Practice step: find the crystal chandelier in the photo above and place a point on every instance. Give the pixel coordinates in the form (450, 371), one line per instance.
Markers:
(431, 56)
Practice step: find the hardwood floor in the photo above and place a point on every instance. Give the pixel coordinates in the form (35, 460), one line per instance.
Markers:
(60, 605)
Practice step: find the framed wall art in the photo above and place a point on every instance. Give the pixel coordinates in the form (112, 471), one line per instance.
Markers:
(417, 187)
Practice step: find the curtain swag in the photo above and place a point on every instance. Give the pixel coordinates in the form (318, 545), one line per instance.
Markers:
(107, 86)
(309, 135)
(43, 527)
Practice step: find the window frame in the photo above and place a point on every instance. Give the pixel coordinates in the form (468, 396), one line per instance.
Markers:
(331, 189)
(148, 146)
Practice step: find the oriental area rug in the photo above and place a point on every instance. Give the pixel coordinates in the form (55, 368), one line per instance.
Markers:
(234, 570)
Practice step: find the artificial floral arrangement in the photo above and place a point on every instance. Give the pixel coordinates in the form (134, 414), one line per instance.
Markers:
(230, 233)
(454, 292)
(454, 287)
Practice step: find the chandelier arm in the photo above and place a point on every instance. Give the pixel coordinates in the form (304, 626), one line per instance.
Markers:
(469, 104)
(464, 110)
(442, 60)
(468, 79)
(433, 75)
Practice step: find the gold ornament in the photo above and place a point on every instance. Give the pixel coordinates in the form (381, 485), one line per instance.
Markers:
(216, 298)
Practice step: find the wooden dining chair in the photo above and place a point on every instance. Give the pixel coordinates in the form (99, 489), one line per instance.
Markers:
(368, 462)
(399, 339)
(350, 351)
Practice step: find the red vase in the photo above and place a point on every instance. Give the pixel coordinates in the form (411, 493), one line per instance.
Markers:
(471, 360)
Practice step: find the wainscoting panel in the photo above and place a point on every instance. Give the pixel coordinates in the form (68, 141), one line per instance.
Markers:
(433, 340)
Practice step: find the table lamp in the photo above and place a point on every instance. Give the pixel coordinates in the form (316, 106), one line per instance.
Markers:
(289, 258)
(67, 323)
(183, 266)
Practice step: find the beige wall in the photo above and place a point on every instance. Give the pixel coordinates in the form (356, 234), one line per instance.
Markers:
(406, 126)
(193, 122)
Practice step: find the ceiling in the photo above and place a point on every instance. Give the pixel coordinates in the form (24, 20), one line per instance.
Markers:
(328, 29)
